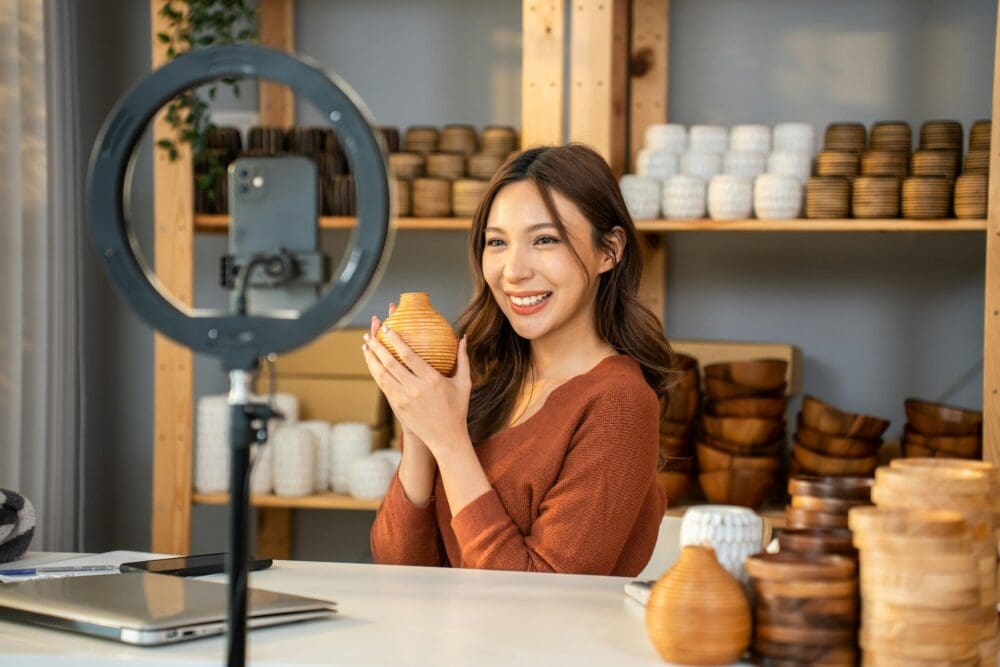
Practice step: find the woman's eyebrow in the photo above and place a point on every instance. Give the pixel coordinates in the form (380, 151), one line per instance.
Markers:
(533, 228)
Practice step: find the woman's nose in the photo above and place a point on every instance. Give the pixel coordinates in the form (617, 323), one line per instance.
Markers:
(516, 267)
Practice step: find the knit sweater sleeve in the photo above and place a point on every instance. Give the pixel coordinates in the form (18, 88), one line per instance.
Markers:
(587, 515)
(404, 533)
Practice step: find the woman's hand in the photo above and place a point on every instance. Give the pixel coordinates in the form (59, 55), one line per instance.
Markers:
(430, 406)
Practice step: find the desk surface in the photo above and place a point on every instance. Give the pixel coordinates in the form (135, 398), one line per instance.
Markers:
(398, 616)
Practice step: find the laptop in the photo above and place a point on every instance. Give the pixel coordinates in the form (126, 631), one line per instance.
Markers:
(146, 609)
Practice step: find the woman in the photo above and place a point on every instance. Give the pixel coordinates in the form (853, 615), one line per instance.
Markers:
(540, 453)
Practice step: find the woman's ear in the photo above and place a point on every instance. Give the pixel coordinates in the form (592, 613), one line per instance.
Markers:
(615, 240)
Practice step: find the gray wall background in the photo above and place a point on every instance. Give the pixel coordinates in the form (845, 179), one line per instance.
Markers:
(879, 317)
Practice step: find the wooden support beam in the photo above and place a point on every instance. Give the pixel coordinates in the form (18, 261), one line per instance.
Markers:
(173, 374)
(991, 327)
(654, 266)
(274, 533)
(599, 85)
(648, 71)
(542, 66)
(277, 31)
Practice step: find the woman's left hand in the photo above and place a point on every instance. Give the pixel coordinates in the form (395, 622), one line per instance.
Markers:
(432, 406)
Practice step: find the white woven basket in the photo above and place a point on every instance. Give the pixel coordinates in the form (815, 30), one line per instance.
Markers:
(730, 197)
(754, 138)
(642, 196)
(745, 164)
(684, 197)
(321, 429)
(701, 164)
(370, 477)
(799, 137)
(670, 137)
(777, 197)
(349, 441)
(790, 163)
(294, 450)
(708, 139)
(656, 163)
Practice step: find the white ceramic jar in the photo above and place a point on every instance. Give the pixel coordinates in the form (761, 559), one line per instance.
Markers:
(684, 197)
(709, 139)
(790, 163)
(701, 164)
(369, 477)
(745, 164)
(670, 137)
(642, 196)
(729, 197)
(777, 197)
(393, 456)
(294, 451)
(321, 429)
(262, 457)
(350, 441)
(799, 137)
(656, 163)
(754, 138)
(211, 445)
(734, 533)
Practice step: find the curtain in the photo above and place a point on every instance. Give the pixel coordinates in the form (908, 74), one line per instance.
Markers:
(40, 232)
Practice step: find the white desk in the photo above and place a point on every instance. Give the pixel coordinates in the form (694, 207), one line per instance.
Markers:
(397, 616)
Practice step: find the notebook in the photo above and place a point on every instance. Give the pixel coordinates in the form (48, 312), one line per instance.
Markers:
(146, 609)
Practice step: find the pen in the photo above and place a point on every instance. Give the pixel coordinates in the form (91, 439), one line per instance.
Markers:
(29, 571)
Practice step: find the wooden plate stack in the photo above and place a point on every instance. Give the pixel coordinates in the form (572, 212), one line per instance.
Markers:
(926, 197)
(677, 429)
(449, 166)
(946, 134)
(937, 430)
(270, 140)
(920, 599)
(742, 430)
(307, 141)
(805, 608)
(420, 139)
(407, 166)
(819, 505)
(845, 137)
(459, 139)
(875, 197)
(431, 198)
(402, 195)
(829, 442)
(484, 165)
(935, 162)
(977, 161)
(828, 197)
(891, 135)
(499, 140)
(837, 163)
(970, 196)
(979, 135)
(466, 193)
(885, 163)
(340, 197)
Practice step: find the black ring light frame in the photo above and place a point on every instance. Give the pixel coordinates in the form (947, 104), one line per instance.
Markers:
(239, 341)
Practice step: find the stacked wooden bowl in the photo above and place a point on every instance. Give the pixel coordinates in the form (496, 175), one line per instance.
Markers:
(926, 197)
(937, 430)
(837, 163)
(677, 430)
(970, 196)
(943, 134)
(828, 197)
(420, 139)
(885, 163)
(845, 137)
(816, 517)
(805, 608)
(829, 442)
(979, 135)
(875, 197)
(893, 136)
(742, 431)
(977, 161)
(935, 162)
(339, 195)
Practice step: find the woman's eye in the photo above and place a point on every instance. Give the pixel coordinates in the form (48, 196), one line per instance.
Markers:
(546, 240)
(494, 243)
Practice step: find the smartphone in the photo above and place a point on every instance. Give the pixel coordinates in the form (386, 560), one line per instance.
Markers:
(190, 566)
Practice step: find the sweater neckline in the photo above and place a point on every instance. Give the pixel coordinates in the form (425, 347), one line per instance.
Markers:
(556, 390)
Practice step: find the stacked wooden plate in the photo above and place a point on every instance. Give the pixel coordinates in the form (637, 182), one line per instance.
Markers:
(819, 505)
(875, 197)
(420, 139)
(484, 165)
(845, 137)
(829, 442)
(466, 193)
(970, 196)
(891, 135)
(977, 161)
(742, 430)
(828, 197)
(431, 198)
(920, 595)
(937, 430)
(401, 192)
(979, 135)
(339, 196)
(407, 166)
(885, 163)
(678, 427)
(450, 166)
(499, 140)
(935, 162)
(926, 197)
(837, 163)
(945, 134)
(805, 608)
(459, 139)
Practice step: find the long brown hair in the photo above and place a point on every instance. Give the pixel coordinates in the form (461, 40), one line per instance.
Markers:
(500, 359)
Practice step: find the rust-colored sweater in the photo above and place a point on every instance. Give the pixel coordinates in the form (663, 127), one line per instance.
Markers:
(574, 488)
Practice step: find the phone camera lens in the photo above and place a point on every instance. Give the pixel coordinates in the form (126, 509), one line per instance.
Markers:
(244, 190)
(243, 173)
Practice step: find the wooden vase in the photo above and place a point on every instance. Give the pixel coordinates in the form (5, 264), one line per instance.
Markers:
(425, 330)
(697, 612)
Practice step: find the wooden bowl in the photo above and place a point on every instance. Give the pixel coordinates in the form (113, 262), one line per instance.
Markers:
(941, 525)
(674, 429)
(784, 654)
(719, 389)
(711, 459)
(963, 446)
(743, 430)
(796, 567)
(675, 463)
(685, 372)
(834, 466)
(929, 418)
(747, 487)
(827, 505)
(817, 541)
(674, 484)
(773, 448)
(846, 488)
(759, 374)
(834, 445)
(824, 417)
(803, 518)
(762, 407)
(914, 450)
(682, 404)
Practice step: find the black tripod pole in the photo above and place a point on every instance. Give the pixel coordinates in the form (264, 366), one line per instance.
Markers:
(241, 436)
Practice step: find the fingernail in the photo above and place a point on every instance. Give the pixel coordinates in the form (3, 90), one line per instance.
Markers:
(385, 328)
(364, 348)
(365, 338)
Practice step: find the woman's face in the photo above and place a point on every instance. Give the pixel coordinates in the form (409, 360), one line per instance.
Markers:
(531, 271)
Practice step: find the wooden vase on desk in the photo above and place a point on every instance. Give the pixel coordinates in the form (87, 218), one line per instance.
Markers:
(698, 613)
(425, 330)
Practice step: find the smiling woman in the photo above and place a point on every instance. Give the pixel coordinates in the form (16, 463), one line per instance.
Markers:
(540, 453)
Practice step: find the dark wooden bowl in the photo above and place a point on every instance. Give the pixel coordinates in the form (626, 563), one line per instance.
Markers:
(711, 459)
(797, 567)
(743, 430)
(719, 390)
(913, 450)
(674, 429)
(759, 406)
(938, 419)
(772, 448)
(817, 541)
(741, 486)
(834, 445)
(848, 488)
(759, 374)
(833, 466)
(824, 417)
(962, 446)
(674, 484)
(685, 373)
(682, 404)
(675, 445)
(802, 518)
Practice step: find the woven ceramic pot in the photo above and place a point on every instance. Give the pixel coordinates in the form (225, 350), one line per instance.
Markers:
(350, 441)
(777, 197)
(790, 163)
(294, 462)
(702, 164)
(656, 163)
(642, 196)
(697, 612)
(755, 138)
(729, 198)
(321, 429)
(708, 138)
(745, 164)
(671, 137)
(370, 476)
(425, 330)
(733, 532)
(684, 197)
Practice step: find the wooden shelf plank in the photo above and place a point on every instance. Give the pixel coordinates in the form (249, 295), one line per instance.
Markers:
(219, 224)
(319, 501)
(773, 513)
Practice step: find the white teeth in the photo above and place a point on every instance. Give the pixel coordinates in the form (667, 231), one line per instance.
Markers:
(530, 300)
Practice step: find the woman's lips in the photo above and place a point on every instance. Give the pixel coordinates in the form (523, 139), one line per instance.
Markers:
(529, 310)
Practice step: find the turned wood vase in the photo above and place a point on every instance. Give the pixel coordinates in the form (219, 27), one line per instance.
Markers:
(425, 330)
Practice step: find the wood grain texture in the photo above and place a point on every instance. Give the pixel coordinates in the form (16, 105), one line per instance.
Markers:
(274, 533)
(320, 501)
(543, 63)
(277, 31)
(991, 327)
(598, 75)
(649, 87)
(652, 289)
(173, 376)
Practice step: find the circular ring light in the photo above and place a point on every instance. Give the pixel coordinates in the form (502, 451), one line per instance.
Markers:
(239, 341)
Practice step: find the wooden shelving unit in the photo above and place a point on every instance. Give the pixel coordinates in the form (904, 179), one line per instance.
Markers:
(606, 103)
